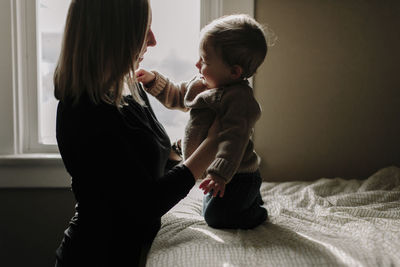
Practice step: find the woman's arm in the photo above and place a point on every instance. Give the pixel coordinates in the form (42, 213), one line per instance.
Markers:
(117, 171)
(202, 157)
(205, 153)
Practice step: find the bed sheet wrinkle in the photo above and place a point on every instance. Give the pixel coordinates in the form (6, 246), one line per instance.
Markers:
(327, 222)
(365, 198)
(330, 245)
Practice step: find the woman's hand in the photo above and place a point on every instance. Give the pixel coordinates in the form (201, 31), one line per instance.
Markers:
(176, 151)
(144, 76)
(174, 156)
(215, 183)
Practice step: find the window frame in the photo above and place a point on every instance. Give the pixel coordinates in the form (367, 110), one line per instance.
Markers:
(19, 107)
(29, 69)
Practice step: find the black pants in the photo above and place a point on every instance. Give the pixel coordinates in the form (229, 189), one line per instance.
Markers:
(240, 207)
(100, 252)
(142, 261)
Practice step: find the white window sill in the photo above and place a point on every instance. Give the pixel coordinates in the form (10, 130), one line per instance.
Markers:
(31, 159)
(33, 171)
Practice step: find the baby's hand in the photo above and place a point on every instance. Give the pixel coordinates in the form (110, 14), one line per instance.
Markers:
(215, 183)
(144, 76)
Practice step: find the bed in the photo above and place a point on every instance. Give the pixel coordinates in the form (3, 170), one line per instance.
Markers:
(327, 222)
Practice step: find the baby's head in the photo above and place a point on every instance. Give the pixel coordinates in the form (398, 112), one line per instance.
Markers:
(239, 40)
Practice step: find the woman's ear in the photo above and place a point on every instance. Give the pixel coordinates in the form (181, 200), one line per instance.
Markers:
(236, 72)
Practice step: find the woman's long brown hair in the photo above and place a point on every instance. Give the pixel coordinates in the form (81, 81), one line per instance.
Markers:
(101, 45)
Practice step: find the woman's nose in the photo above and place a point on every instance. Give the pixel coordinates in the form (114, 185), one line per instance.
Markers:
(151, 39)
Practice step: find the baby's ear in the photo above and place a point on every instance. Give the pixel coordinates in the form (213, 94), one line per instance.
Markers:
(236, 72)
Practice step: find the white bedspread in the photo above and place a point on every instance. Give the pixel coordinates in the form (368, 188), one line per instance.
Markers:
(328, 222)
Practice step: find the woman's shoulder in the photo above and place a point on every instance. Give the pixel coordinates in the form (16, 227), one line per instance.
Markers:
(104, 117)
(85, 114)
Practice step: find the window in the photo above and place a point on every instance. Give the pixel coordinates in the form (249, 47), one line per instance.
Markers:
(26, 62)
(51, 19)
(174, 56)
(175, 53)
(31, 37)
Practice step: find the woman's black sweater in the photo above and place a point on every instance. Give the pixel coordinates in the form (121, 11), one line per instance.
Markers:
(116, 158)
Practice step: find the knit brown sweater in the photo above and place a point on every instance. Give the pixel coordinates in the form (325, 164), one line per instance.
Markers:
(236, 109)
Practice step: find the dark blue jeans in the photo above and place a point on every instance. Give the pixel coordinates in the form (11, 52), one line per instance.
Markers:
(240, 207)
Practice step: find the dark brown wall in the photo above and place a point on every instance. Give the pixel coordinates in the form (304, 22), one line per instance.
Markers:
(32, 222)
(329, 89)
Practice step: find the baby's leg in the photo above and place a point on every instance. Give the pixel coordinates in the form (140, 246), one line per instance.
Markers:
(259, 198)
(240, 206)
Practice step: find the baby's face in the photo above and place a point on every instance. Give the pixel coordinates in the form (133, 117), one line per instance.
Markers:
(213, 70)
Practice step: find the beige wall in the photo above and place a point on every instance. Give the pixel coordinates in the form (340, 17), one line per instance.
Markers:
(329, 89)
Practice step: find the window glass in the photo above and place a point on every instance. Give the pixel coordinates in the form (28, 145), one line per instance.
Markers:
(51, 19)
(176, 25)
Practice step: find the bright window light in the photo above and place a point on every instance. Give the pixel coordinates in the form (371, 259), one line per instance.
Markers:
(51, 19)
(176, 25)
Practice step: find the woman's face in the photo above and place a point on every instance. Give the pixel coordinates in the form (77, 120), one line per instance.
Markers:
(149, 41)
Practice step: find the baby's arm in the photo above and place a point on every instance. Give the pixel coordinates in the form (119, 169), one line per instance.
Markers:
(169, 94)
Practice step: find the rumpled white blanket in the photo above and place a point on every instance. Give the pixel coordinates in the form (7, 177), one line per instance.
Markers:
(328, 222)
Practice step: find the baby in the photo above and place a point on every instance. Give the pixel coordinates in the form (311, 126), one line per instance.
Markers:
(231, 49)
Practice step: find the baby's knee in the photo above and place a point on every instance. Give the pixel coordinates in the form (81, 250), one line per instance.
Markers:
(214, 216)
(213, 221)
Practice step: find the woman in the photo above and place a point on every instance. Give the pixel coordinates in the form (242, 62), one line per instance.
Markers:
(112, 145)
